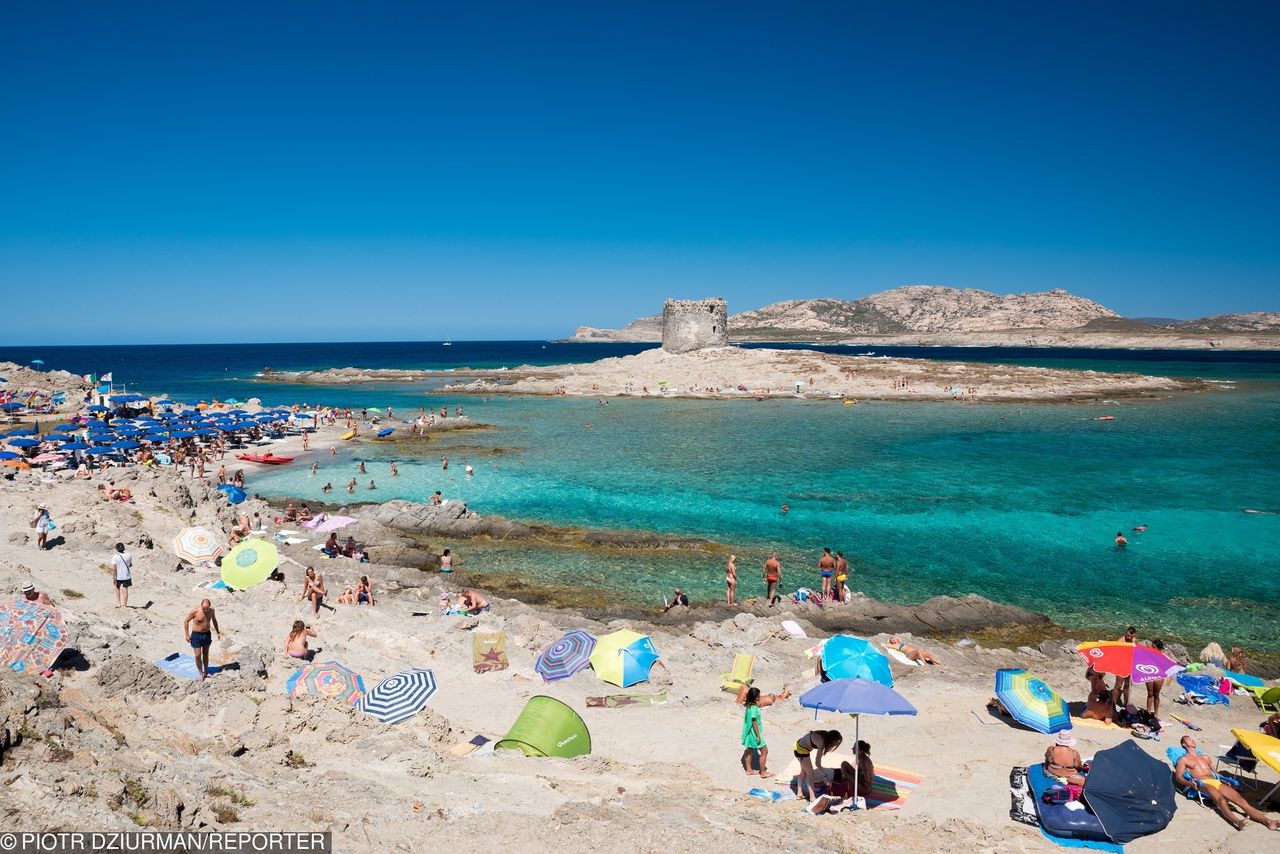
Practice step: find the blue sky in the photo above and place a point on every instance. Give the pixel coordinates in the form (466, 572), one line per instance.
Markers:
(411, 171)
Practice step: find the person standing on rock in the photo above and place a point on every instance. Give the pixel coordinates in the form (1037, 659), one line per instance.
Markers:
(196, 627)
(842, 577)
(730, 578)
(827, 569)
(313, 589)
(772, 577)
(122, 565)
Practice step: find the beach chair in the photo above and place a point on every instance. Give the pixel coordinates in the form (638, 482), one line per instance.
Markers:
(1268, 699)
(1239, 758)
(1186, 785)
(743, 664)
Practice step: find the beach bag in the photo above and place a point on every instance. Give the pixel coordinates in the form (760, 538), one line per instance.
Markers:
(1022, 806)
(1056, 794)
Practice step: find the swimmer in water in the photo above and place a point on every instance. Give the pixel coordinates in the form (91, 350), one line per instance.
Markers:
(1138, 529)
(786, 508)
(314, 468)
(1121, 542)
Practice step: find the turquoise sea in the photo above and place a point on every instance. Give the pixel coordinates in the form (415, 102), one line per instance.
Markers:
(1016, 503)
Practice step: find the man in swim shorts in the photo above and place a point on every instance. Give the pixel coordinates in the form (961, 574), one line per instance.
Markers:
(827, 569)
(842, 576)
(772, 576)
(1198, 767)
(196, 627)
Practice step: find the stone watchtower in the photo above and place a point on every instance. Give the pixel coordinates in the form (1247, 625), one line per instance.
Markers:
(694, 324)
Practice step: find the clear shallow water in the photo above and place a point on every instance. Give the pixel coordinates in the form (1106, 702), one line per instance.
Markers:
(1019, 504)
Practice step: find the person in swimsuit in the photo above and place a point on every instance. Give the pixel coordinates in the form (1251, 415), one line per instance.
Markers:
(296, 645)
(1062, 761)
(446, 560)
(827, 569)
(730, 578)
(1121, 542)
(912, 653)
(1099, 706)
(364, 592)
(331, 546)
(196, 627)
(842, 577)
(679, 598)
(772, 576)
(473, 603)
(1224, 796)
(1154, 686)
(313, 589)
(1120, 693)
(809, 749)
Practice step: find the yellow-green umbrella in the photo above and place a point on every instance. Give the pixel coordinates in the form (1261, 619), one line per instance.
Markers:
(250, 562)
(623, 657)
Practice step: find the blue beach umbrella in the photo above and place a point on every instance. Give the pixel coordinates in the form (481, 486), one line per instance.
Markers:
(235, 494)
(8, 455)
(95, 423)
(27, 432)
(12, 406)
(97, 407)
(848, 657)
(24, 443)
(97, 452)
(127, 446)
(856, 697)
(74, 446)
(182, 434)
(37, 361)
(64, 428)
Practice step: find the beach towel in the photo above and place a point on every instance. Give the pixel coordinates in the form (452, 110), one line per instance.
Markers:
(216, 584)
(793, 629)
(465, 747)
(1022, 806)
(1082, 843)
(488, 652)
(897, 655)
(622, 701)
(889, 790)
(183, 666)
(1090, 722)
(773, 795)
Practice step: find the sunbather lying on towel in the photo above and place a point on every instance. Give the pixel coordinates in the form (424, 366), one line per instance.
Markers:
(1196, 766)
(911, 652)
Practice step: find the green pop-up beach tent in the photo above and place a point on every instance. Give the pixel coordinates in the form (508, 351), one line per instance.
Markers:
(547, 727)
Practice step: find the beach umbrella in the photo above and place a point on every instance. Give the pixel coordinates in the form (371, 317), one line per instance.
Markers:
(856, 697)
(18, 464)
(251, 562)
(127, 446)
(48, 458)
(96, 423)
(31, 636)
(1031, 702)
(196, 545)
(848, 657)
(623, 658)
(1130, 792)
(329, 679)
(8, 455)
(24, 443)
(235, 495)
(1267, 750)
(63, 428)
(398, 698)
(74, 446)
(97, 452)
(203, 431)
(566, 656)
(37, 361)
(182, 434)
(97, 407)
(23, 432)
(1135, 660)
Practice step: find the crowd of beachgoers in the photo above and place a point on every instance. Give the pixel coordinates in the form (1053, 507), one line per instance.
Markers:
(157, 495)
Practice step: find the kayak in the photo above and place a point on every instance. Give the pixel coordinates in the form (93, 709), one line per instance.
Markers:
(386, 432)
(350, 434)
(269, 459)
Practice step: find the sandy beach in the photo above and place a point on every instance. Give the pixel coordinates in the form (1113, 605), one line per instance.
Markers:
(113, 742)
(732, 372)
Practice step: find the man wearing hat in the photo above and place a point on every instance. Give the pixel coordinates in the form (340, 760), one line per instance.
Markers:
(30, 593)
(1062, 762)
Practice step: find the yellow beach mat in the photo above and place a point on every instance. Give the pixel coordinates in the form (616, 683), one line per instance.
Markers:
(489, 652)
(1090, 722)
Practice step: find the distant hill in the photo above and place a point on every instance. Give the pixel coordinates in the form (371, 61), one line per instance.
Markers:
(1254, 321)
(915, 308)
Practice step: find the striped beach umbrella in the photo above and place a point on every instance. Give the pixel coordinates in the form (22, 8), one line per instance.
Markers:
(251, 562)
(32, 636)
(1031, 701)
(566, 656)
(196, 545)
(329, 679)
(398, 698)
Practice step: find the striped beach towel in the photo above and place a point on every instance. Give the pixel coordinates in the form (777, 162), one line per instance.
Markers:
(891, 788)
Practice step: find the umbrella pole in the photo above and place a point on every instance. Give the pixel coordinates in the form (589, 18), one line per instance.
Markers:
(857, 762)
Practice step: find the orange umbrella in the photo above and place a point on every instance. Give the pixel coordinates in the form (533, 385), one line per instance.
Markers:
(17, 464)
